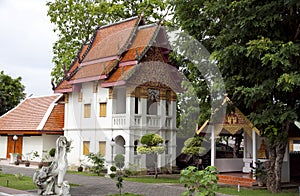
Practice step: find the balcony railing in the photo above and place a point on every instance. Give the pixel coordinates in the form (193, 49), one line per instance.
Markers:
(151, 121)
(118, 120)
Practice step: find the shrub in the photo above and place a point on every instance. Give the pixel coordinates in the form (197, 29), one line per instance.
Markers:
(98, 162)
(119, 160)
(200, 182)
(52, 152)
(151, 139)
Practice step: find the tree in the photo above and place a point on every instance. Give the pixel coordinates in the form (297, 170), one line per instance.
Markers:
(119, 162)
(76, 20)
(151, 146)
(256, 45)
(11, 92)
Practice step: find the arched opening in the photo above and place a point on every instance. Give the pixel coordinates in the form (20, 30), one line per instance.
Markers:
(120, 145)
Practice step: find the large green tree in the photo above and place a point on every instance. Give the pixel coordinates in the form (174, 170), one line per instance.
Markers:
(11, 92)
(76, 20)
(257, 46)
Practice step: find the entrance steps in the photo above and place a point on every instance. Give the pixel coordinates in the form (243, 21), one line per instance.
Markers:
(236, 178)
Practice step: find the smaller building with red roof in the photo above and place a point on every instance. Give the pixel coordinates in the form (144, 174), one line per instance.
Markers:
(32, 126)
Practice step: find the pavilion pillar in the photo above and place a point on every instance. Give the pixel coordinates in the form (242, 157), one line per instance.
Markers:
(213, 146)
(254, 148)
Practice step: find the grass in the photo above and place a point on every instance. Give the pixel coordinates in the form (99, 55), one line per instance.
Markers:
(256, 192)
(19, 181)
(85, 173)
(127, 194)
(151, 179)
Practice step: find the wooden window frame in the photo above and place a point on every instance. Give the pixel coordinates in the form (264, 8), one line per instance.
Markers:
(104, 143)
(102, 112)
(86, 147)
(86, 111)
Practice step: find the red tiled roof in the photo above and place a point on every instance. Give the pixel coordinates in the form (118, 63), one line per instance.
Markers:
(119, 74)
(64, 86)
(115, 49)
(55, 122)
(141, 41)
(111, 39)
(31, 114)
(96, 69)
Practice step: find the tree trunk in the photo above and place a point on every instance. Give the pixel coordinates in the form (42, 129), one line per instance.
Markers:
(274, 165)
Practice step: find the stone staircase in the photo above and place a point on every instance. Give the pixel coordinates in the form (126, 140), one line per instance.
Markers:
(235, 180)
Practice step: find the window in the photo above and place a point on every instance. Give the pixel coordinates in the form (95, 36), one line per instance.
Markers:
(80, 97)
(102, 110)
(102, 148)
(136, 142)
(168, 98)
(167, 108)
(167, 146)
(152, 101)
(136, 100)
(87, 111)
(86, 147)
(95, 87)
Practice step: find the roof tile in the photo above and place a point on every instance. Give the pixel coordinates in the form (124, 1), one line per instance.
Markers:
(28, 114)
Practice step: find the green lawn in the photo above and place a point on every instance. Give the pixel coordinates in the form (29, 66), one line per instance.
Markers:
(21, 182)
(125, 194)
(249, 192)
(151, 179)
(85, 173)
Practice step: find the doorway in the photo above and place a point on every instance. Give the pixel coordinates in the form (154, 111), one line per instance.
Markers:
(14, 146)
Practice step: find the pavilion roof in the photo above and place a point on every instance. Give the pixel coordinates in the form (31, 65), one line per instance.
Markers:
(233, 122)
(113, 52)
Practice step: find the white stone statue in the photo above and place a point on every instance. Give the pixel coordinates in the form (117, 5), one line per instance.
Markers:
(50, 180)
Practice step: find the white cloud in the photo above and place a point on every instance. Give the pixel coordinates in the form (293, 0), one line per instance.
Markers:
(26, 39)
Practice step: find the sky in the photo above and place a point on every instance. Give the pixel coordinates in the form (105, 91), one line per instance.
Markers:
(26, 38)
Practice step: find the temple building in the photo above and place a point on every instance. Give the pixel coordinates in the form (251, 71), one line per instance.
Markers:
(120, 87)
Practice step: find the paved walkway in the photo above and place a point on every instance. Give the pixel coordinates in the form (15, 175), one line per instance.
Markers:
(91, 185)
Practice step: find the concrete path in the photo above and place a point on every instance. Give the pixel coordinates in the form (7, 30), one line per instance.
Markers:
(92, 185)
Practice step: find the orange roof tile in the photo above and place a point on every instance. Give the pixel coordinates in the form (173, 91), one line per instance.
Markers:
(63, 87)
(110, 39)
(141, 41)
(55, 122)
(119, 74)
(29, 114)
(93, 70)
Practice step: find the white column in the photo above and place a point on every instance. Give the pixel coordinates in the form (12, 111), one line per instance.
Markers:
(129, 111)
(143, 112)
(213, 146)
(254, 148)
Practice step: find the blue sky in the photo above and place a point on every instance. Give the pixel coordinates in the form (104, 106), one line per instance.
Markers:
(26, 39)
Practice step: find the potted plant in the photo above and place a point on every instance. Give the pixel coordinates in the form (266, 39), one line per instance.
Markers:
(260, 173)
(36, 155)
(80, 168)
(18, 159)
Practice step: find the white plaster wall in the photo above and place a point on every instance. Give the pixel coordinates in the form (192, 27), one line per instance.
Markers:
(93, 136)
(3, 144)
(49, 141)
(32, 144)
(95, 129)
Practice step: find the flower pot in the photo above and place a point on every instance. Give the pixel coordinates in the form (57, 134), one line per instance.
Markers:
(27, 164)
(17, 162)
(80, 169)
